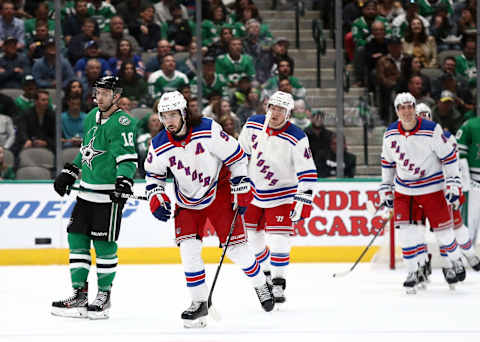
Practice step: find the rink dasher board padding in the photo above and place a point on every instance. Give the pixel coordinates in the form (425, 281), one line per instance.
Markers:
(33, 220)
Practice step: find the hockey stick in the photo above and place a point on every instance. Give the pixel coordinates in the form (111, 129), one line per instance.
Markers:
(127, 196)
(211, 310)
(386, 220)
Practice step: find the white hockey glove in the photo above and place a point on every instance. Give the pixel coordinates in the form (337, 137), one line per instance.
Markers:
(160, 204)
(386, 195)
(301, 206)
(452, 192)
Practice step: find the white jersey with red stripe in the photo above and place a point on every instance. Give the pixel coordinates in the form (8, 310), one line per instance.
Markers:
(195, 162)
(280, 162)
(418, 161)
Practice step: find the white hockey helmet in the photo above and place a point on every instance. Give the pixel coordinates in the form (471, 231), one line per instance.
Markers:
(282, 99)
(173, 100)
(424, 111)
(403, 98)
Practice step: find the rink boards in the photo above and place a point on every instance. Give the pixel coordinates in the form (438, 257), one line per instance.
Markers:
(33, 220)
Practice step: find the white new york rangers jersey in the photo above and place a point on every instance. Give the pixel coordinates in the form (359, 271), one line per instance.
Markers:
(418, 161)
(195, 162)
(279, 163)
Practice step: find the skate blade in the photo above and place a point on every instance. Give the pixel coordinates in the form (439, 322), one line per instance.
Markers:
(69, 312)
(195, 323)
(94, 315)
(451, 287)
(422, 286)
(410, 291)
(280, 306)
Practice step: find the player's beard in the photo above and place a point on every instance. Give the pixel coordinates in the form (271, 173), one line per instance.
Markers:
(180, 131)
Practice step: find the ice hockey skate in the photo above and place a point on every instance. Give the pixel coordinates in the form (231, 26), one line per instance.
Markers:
(74, 306)
(410, 283)
(428, 267)
(422, 278)
(268, 277)
(278, 290)
(265, 296)
(450, 276)
(459, 270)
(196, 315)
(474, 262)
(100, 308)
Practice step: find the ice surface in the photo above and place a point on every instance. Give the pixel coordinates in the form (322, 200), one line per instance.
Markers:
(367, 305)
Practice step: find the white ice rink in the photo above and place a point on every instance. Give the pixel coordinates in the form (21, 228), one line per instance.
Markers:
(367, 305)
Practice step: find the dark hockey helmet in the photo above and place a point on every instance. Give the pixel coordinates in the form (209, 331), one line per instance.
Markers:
(108, 82)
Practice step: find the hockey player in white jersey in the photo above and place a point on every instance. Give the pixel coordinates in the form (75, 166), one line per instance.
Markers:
(283, 175)
(210, 172)
(461, 231)
(421, 161)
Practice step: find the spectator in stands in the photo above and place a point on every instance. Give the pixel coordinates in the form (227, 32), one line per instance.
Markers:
(179, 32)
(253, 44)
(7, 106)
(448, 68)
(238, 8)
(166, 79)
(27, 100)
(72, 24)
(234, 64)
(212, 82)
(228, 124)
(130, 11)
(44, 68)
(467, 24)
(284, 70)
(76, 47)
(446, 113)
(37, 127)
(7, 131)
(145, 30)
(351, 11)
(6, 172)
(220, 47)
(41, 13)
(222, 108)
(428, 8)
(267, 65)
(415, 87)
(412, 66)
(155, 62)
(466, 62)
(390, 9)
(108, 41)
(133, 86)
(301, 114)
(248, 13)
(125, 54)
(388, 76)
(192, 106)
(37, 43)
(162, 11)
(211, 28)
(459, 6)
(103, 12)
(92, 73)
(188, 65)
(126, 105)
(463, 97)
(417, 43)
(401, 23)
(327, 166)
(13, 66)
(74, 88)
(376, 48)
(186, 91)
(144, 140)
(251, 106)
(239, 96)
(72, 122)
(11, 26)
(444, 30)
(319, 137)
(361, 29)
(91, 52)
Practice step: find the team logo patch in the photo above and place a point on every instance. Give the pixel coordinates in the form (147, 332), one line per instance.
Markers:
(123, 120)
(178, 230)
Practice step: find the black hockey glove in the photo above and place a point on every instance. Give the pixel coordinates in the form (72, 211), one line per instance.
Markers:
(66, 178)
(123, 185)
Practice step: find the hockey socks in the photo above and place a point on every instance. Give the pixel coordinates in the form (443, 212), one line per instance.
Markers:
(280, 254)
(190, 251)
(257, 241)
(107, 262)
(463, 239)
(243, 257)
(80, 259)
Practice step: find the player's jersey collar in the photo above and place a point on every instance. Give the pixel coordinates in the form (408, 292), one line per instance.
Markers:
(180, 143)
(413, 131)
(271, 131)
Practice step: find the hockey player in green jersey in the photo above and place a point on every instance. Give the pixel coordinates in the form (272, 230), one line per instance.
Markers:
(468, 138)
(108, 162)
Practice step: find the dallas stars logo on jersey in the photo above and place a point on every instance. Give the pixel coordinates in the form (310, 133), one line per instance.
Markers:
(89, 153)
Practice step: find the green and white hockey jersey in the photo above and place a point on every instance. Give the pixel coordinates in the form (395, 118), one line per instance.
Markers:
(425, 9)
(361, 30)
(271, 86)
(107, 152)
(466, 68)
(468, 139)
(232, 70)
(159, 83)
(102, 15)
(219, 85)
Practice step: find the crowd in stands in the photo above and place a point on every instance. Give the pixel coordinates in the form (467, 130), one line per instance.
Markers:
(424, 46)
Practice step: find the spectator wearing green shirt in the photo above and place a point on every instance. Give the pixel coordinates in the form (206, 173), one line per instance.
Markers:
(234, 64)
(41, 13)
(6, 172)
(466, 62)
(284, 71)
(212, 82)
(211, 28)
